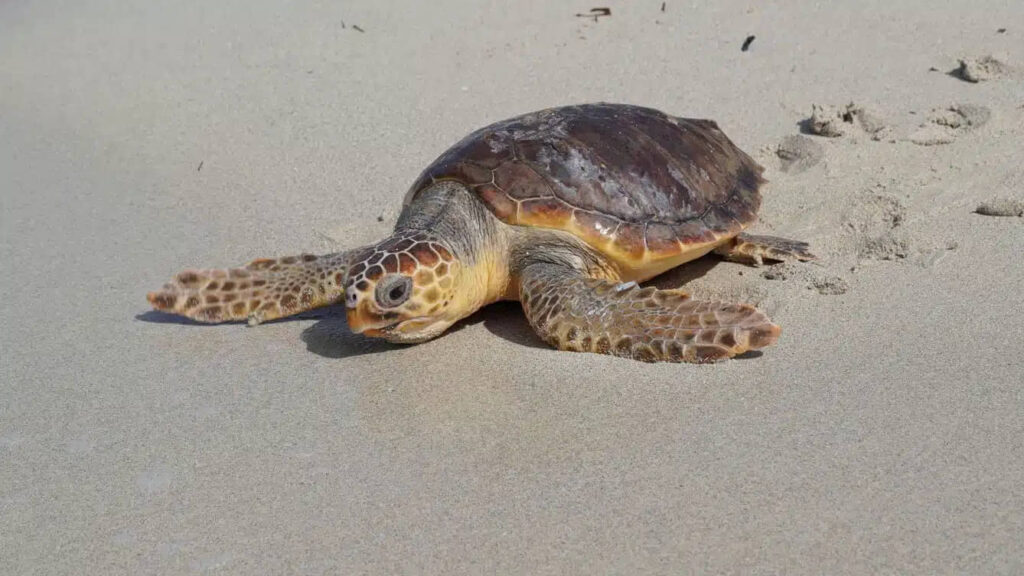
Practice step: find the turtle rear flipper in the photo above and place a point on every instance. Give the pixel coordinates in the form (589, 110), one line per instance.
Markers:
(572, 311)
(262, 290)
(755, 249)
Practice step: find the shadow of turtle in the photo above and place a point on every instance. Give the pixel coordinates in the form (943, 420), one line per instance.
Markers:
(157, 317)
(506, 320)
(331, 337)
(154, 317)
(680, 276)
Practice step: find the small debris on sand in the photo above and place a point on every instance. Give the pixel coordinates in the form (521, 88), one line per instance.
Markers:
(596, 13)
(981, 69)
(747, 43)
(798, 153)
(1001, 207)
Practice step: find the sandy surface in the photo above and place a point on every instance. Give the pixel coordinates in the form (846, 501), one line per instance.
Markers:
(883, 434)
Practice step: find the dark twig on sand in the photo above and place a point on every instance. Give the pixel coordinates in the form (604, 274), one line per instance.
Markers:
(200, 168)
(662, 6)
(357, 28)
(747, 43)
(596, 13)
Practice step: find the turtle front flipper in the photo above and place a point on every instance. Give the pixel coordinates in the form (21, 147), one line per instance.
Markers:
(262, 290)
(572, 311)
(755, 249)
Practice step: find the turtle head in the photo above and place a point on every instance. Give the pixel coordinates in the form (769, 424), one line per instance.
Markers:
(403, 289)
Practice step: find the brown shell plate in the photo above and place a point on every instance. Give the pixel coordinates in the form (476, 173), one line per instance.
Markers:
(633, 182)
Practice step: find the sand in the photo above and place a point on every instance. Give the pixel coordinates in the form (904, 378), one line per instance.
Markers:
(882, 434)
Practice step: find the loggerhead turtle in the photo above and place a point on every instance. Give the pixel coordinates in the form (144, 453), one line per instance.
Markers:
(565, 210)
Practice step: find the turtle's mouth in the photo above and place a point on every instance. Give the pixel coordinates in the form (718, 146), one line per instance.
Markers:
(389, 329)
(410, 330)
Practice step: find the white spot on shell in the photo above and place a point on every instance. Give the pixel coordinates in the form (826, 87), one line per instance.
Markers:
(677, 175)
(496, 146)
(625, 286)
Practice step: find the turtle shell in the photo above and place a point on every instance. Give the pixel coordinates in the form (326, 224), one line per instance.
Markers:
(635, 183)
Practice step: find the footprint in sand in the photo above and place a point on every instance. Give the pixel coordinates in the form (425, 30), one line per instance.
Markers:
(833, 122)
(945, 125)
(877, 233)
(875, 228)
(823, 284)
(798, 153)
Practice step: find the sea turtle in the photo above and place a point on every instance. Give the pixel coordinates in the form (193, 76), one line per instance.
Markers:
(565, 210)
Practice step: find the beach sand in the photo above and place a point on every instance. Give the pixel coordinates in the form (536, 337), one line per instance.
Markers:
(882, 434)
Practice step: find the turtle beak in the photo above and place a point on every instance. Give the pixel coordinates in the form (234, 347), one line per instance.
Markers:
(409, 331)
(363, 321)
(368, 322)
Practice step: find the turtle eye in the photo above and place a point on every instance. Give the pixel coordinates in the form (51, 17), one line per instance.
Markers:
(393, 290)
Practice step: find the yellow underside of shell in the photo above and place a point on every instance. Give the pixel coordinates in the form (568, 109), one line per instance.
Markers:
(635, 263)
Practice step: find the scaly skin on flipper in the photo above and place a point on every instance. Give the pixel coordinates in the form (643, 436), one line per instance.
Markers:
(572, 311)
(268, 289)
(755, 249)
(262, 290)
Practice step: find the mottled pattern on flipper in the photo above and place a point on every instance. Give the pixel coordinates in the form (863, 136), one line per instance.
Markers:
(754, 249)
(262, 290)
(573, 312)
